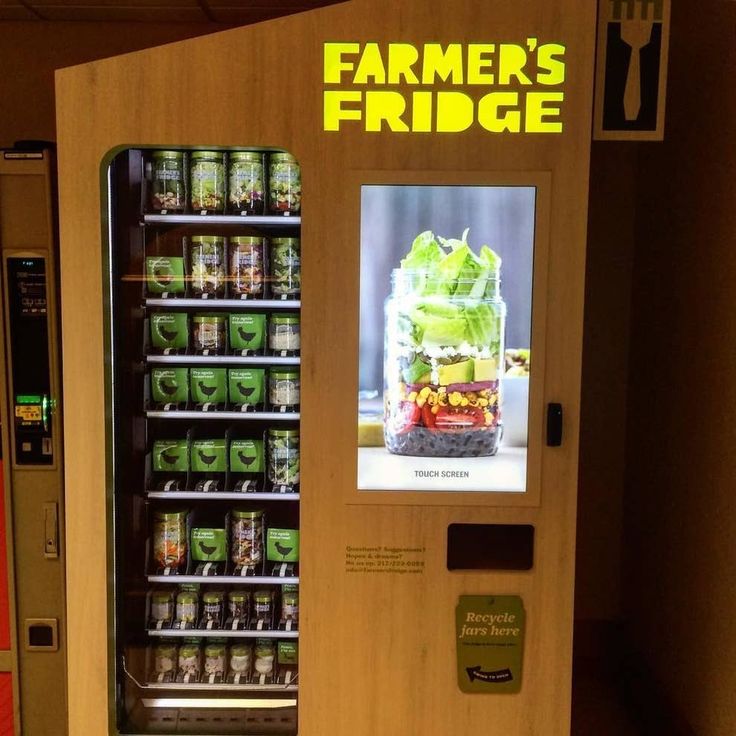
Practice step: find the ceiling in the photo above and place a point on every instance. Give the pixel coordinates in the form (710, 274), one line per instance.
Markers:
(231, 12)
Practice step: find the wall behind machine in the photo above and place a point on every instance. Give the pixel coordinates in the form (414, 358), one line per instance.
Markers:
(680, 509)
(31, 51)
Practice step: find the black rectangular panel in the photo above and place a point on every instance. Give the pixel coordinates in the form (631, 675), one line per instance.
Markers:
(28, 308)
(490, 547)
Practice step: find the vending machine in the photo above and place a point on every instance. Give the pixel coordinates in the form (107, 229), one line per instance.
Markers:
(322, 285)
(32, 641)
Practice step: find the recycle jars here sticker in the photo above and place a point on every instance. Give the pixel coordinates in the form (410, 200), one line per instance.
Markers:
(490, 643)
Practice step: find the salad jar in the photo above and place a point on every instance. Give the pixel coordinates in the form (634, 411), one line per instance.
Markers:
(247, 266)
(263, 605)
(164, 660)
(187, 607)
(170, 539)
(284, 334)
(245, 183)
(212, 608)
(162, 605)
(215, 656)
(209, 333)
(265, 653)
(168, 182)
(283, 387)
(207, 259)
(285, 184)
(286, 267)
(190, 661)
(238, 604)
(290, 606)
(246, 537)
(443, 359)
(241, 657)
(207, 182)
(283, 457)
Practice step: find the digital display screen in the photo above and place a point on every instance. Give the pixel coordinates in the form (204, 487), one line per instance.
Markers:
(445, 337)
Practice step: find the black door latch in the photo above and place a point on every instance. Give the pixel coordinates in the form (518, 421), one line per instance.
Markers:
(554, 425)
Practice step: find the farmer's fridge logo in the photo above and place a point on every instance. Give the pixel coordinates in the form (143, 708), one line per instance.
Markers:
(436, 88)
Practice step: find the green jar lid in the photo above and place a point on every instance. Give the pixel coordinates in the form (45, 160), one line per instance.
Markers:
(247, 513)
(288, 433)
(205, 155)
(208, 240)
(165, 647)
(170, 514)
(212, 597)
(289, 374)
(285, 319)
(283, 157)
(238, 596)
(285, 242)
(218, 318)
(247, 240)
(291, 599)
(161, 596)
(246, 156)
(169, 154)
(240, 650)
(189, 650)
(214, 649)
(262, 596)
(186, 596)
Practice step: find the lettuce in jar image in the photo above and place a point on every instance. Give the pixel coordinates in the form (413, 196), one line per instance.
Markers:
(444, 348)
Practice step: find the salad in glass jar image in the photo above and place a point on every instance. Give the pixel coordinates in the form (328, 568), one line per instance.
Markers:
(443, 353)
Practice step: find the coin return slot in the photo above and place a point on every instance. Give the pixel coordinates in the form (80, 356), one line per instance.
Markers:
(490, 547)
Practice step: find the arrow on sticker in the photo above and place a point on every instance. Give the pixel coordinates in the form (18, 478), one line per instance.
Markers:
(477, 673)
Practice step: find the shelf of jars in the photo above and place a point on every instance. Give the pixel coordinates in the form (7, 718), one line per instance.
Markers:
(223, 360)
(223, 496)
(244, 304)
(265, 221)
(221, 687)
(223, 634)
(268, 416)
(223, 579)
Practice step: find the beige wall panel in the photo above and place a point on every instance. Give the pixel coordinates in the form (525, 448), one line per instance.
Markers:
(390, 627)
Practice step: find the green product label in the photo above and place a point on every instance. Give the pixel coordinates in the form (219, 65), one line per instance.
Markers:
(209, 545)
(209, 385)
(283, 545)
(170, 456)
(169, 331)
(209, 456)
(288, 652)
(165, 274)
(247, 385)
(247, 331)
(490, 643)
(170, 385)
(246, 456)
